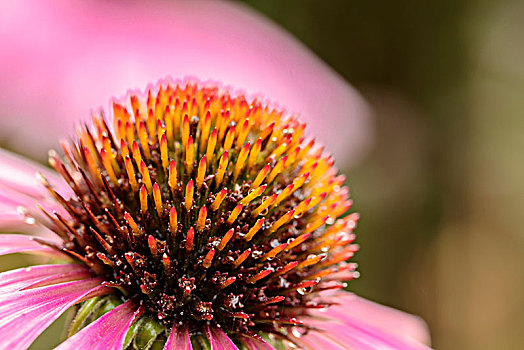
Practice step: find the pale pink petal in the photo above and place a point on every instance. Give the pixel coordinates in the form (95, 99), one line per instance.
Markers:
(20, 175)
(255, 344)
(25, 314)
(179, 338)
(66, 57)
(11, 243)
(108, 332)
(41, 275)
(218, 339)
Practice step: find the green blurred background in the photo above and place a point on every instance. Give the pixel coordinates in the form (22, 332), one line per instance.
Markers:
(441, 193)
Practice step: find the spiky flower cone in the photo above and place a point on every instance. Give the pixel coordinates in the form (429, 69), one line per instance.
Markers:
(206, 208)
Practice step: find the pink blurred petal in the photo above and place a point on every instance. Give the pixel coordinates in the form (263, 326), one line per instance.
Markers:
(26, 314)
(66, 57)
(40, 275)
(11, 243)
(356, 323)
(218, 339)
(316, 340)
(107, 332)
(179, 338)
(380, 316)
(255, 344)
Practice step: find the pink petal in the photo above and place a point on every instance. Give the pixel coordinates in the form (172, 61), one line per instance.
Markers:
(19, 174)
(12, 220)
(66, 57)
(218, 339)
(380, 316)
(12, 243)
(362, 325)
(179, 338)
(108, 332)
(41, 275)
(255, 344)
(26, 314)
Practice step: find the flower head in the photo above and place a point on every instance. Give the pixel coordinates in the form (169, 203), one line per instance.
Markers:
(199, 218)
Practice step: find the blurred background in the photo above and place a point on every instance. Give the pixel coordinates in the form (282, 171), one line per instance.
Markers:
(439, 186)
(441, 192)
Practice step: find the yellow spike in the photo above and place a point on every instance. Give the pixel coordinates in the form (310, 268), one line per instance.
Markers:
(254, 153)
(151, 123)
(131, 174)
(201, 222)
(279, 150)
(143, 199)
(316, 200)
(92, 165)
(241, 160)
(163, 152)
(234, 214)
(135, 105)
(137, 156)
(211, 145)
(130, 133)
(146, 179)
(243, 134)
(299, 240)
(273, 252)
(283, 220)
(292, 156)
(185, 132)
(173, 221)
(144, 142)
(268, 130)
(241, 258)
(283, 194)
(109, 151)
(316, 224)
(302, 206)
(209, 258)
(311, 260)
(253, 194)
(218, 199)
(190, 151)
(222, 167)
(173, 182)
(157, 197)
(230, 136)
(225, 239)
(262, 274)
(277, 169)
(223, 125)
(299, 181)
(201, 173)
(261, 176)
(106, 160)
(190, 188)
(204, 134)
(169, 116)
(160, 130)
(265, 204)
(124, 149)
(253, 230)
(134, 227)
(306, 149)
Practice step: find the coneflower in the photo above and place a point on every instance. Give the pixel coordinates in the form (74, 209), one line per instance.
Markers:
(195, 218)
